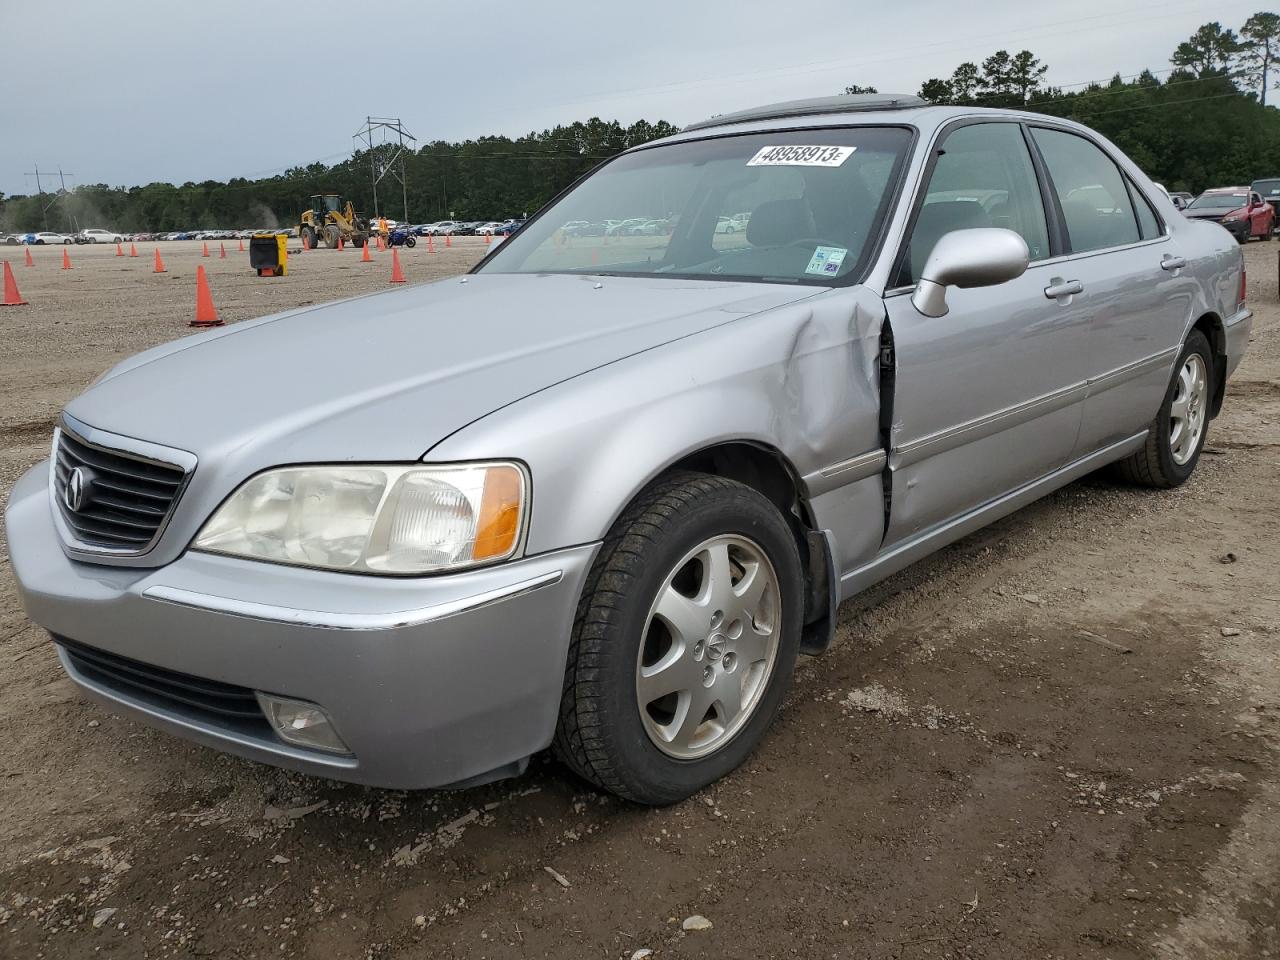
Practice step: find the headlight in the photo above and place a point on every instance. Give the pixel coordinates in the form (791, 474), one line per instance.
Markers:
(1232, 217)
(376, 518)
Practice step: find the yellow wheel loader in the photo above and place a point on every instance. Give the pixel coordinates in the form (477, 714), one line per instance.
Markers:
(329, 219)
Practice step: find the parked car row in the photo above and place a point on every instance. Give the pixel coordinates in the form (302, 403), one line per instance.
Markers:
(446, 228)
(39, 239)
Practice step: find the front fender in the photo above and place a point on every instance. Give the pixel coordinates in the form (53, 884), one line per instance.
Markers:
(802, 379)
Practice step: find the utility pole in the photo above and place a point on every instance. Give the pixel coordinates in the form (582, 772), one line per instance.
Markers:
(65, 211)
(387, 132)
(40, 194)
(44, 212)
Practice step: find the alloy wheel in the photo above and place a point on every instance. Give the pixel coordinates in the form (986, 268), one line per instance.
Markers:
(710, 644)
(1188, 409)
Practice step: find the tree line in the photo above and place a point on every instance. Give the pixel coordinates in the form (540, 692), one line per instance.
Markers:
(1205, 123)
(471, 180)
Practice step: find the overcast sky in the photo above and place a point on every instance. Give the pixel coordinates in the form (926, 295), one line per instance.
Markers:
(127, 92)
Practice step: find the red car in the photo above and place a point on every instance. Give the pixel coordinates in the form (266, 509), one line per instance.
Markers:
(1239, 209)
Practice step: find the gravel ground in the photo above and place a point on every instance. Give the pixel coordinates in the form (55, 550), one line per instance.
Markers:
(1057, 738)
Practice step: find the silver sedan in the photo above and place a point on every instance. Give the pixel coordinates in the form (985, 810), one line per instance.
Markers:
(598, 494)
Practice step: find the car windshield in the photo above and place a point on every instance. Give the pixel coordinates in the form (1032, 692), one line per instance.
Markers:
(789, 207)
(1219, 201)
(1268, 188)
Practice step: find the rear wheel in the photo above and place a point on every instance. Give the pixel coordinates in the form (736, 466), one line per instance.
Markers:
(684, 642)
(331, 236)
(1178, 432)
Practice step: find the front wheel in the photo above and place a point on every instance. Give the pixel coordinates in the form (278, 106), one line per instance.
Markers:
(1177, 434)
(410, 242)
(684, 641)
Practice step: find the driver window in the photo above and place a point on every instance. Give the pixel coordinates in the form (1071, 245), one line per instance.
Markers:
(983, 178)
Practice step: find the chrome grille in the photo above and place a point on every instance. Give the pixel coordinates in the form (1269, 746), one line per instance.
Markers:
(123, 501)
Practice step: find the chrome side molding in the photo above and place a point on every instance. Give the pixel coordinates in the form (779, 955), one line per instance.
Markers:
(328, 620)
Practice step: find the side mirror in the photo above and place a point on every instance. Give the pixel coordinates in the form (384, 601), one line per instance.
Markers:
(978, 257)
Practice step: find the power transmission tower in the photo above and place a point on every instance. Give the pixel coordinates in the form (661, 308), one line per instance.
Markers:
(389, 136)
(61, 194)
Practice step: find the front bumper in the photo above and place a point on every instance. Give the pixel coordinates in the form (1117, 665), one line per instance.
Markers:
(430, 681)
(1237, 228)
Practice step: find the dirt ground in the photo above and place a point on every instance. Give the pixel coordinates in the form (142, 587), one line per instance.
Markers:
(1058, 738)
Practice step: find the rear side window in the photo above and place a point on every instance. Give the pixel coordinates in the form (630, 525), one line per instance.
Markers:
(983, 178)
(1148, 222)
(1095, 204)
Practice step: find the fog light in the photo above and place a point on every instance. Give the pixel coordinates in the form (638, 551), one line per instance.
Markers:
(300, 723)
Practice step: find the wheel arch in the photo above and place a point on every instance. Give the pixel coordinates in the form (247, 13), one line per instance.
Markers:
(769, 472)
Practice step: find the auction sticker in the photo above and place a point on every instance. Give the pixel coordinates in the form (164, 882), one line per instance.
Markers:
(826, 261)
(800, 156)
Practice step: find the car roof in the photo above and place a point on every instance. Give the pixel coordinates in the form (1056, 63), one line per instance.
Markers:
(850, 110)
(1221, 190)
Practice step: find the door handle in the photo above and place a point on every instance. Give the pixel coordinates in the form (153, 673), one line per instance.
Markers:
(1063, 288)
(1172, 263)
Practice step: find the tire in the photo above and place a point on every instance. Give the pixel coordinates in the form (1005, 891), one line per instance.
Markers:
(1161, 463)
(309, 235)
(410, 242)
(331, 236)
(604, 733)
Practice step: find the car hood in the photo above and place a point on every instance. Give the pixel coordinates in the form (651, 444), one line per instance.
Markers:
(387, 376)
(1207, 214)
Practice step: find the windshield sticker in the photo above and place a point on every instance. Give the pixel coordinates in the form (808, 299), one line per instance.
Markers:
(801, 156)
(826, 261)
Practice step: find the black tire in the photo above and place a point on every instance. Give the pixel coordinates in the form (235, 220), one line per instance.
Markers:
(600, 734)
(331, 236)
(410, 242)
(308, 235)
(1154, 465)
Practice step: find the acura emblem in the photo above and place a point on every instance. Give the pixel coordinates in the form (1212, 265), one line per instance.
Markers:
(73, 493)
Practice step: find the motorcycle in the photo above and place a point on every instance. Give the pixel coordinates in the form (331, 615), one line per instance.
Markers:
(401, 237)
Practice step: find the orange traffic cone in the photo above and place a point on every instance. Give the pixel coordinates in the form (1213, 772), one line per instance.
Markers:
(306, 241)
(364, 257)
(448, 239)
(66, 259)
(397, 275)
(133, 250)
(12, 298)
(382, 244)
(159, 263)
(488, 239)
(119, 250)
(206, 314)
(431, 247)
(242, 244)
(222, 255)
(204, 249)
(339, 243)
(27, 251)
